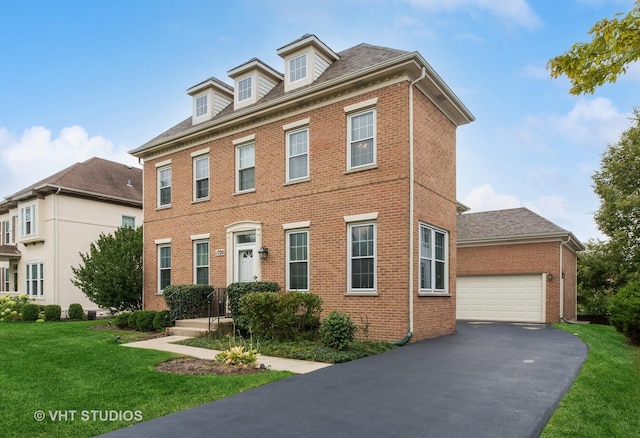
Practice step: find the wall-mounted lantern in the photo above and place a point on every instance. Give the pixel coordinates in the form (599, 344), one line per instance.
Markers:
(263, 252)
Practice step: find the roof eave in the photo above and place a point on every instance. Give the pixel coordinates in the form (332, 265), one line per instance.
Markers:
(88, 194)
(563, 237)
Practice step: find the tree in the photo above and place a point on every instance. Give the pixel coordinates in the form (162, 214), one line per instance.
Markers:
(110, 274)
(618, 186)
(615, 44)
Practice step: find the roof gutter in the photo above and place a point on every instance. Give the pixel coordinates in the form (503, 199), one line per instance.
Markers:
(86, 193)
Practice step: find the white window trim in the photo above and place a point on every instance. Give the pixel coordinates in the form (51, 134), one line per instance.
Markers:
(6, 286)
(6, 232)
(159, 269)
(195, 179)
(128, 216)
(207, 106)
(170, 186)
(359, 291)
(23, 222)
(350, 116)
(294, 225)
(289, 261)
(288, 154)
(40, 279)
(238, 169)
(251, 89)
(195, 260)
(365, 104)
(433, 290)
(306, 65)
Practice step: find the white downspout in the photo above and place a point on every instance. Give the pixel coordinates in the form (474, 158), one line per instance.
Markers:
(411, 196)
(56, 258)
(562, 279)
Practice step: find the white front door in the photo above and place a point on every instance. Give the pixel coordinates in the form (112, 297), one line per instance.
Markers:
(244, 256)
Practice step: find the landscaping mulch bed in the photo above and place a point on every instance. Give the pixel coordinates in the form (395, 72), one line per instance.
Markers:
(199, 367)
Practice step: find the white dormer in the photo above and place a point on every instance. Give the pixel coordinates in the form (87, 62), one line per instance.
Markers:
(209, 98)
(304, 60)
(253, 80)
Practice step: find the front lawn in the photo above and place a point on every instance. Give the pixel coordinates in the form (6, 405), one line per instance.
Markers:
(303, 350)
(604, 400)
(83, 383)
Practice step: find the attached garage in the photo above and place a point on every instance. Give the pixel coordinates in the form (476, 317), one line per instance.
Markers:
(515, 298)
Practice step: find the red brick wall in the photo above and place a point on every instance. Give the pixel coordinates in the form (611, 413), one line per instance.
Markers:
(527, 258)
(324, 200)
(569, 262)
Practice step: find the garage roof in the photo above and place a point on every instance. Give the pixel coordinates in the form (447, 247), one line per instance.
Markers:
(506, 226)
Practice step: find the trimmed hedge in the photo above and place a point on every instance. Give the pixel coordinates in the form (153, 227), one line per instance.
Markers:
(144, 322)
(75, 312)
(187, 301)
(282, 316)
(624, 311)
(161, 320)
(122, 320)
(52, 312)
(30, 312)
(235, 292)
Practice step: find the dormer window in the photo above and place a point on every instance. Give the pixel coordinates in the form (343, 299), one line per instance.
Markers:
(298, 68)
(245, 89)
(202, 105)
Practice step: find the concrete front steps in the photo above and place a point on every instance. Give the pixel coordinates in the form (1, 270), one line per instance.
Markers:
(200, 327)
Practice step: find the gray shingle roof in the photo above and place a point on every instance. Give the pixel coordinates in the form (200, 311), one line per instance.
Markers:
(351, 60)
(516, 222)
(97, 176)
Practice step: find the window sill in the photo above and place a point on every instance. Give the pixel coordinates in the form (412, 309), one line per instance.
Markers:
(360, 169)
(244, 192)
(434, 294)
(31, 241)
(361, 294)
(197, 201)
(163, 207)
(296, 181)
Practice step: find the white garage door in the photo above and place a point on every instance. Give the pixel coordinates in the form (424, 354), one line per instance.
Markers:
(517, 298)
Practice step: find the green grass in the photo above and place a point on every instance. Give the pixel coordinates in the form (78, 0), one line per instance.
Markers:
(604, 400)
(303, 350)
(69, 367)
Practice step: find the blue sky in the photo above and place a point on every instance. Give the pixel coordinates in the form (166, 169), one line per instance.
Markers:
(98, 78)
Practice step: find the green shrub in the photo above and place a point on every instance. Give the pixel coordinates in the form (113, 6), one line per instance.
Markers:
(282, 316)
(238, 356)
(52, 312)
(337, 330)
(625, 311)
(76, 312)
(186, 301)
(144, 323)
(235, 292)
(133, 319)
(30, 312)
(122, 320)
(11, 307)
(161, 321)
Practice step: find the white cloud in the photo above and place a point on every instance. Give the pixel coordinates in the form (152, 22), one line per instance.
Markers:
(485, 198)
(510, 12)
(36, 154)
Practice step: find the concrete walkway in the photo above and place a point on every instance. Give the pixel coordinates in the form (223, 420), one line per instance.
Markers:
(486, 381)
(165, 343)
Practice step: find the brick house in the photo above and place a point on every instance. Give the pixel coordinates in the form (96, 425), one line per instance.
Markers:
(514, 265)
(46, 225)
(337, 177)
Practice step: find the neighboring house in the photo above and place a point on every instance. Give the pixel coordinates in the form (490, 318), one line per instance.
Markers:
(337, 178)
(514, 265)
(48, 224)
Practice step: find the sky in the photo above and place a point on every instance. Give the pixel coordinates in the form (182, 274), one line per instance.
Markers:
(99, 78)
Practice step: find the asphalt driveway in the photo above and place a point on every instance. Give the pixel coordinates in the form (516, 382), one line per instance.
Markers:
(487, 380)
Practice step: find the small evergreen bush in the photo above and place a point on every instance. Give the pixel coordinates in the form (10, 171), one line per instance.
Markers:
(144, 322)
(161, 320)
(30, 312)
(235, 292)
(337, 330)
(122, 320)
(133, 320)
(76, 312)
(52, 312)
(625, 311)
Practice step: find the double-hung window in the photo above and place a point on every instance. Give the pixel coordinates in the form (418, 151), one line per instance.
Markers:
(298, 68)
(298, 260)
(164, 186)
(433, 259)
(35, 279)
(28, 220)
(128, 221)
(245, 88)
(6, 232)
(362, 139)
(202, 105)
(361, 257)
(246, 170)
(164, 266)
(5, 279)
(298, 154)
(201, 178)
(201, 261)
